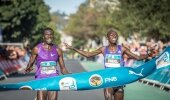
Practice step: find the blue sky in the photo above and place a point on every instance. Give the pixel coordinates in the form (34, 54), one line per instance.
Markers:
(66, 6)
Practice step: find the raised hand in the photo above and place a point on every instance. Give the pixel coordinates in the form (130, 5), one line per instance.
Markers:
(153, 51)
(68, 46)
(27, 70)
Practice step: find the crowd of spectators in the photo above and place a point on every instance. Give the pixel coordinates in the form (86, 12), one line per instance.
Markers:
(139, 48)
(13, 58)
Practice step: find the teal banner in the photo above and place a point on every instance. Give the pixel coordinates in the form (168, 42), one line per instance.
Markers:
(111, 77)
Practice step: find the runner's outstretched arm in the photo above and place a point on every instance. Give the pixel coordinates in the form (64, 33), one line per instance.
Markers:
(132, 55)
(85, 53)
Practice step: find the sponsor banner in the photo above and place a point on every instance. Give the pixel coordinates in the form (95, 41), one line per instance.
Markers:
(95, 80)
(68, 83)
(111, 77)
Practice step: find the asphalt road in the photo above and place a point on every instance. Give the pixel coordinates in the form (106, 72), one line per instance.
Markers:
(72, 65)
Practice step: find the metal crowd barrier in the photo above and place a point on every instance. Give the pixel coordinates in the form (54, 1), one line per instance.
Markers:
(9, 66)
(155, 83)
(2, 75)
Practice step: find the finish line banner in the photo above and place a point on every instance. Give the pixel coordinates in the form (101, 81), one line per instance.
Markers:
(111, 77)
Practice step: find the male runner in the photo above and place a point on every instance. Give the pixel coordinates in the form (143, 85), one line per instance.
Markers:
(46, 55)
(113, 57)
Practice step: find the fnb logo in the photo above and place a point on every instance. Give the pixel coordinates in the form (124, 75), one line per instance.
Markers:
(110, 79)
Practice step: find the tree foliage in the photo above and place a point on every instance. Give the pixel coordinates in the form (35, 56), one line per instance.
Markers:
(83, 24)
(149, 18)
(23, 19)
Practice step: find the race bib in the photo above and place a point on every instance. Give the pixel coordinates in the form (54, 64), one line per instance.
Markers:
(112, 60)
(48, 67)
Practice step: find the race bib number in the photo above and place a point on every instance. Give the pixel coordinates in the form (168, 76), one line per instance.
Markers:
(48, 67)
(112, 60)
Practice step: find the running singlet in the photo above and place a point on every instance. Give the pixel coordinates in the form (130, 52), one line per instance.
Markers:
(113, 59)
(46, 62)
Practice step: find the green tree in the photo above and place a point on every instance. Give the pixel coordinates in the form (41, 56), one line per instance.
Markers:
(23, 19)
(83, 24)
(92, 20)
(148, 17)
